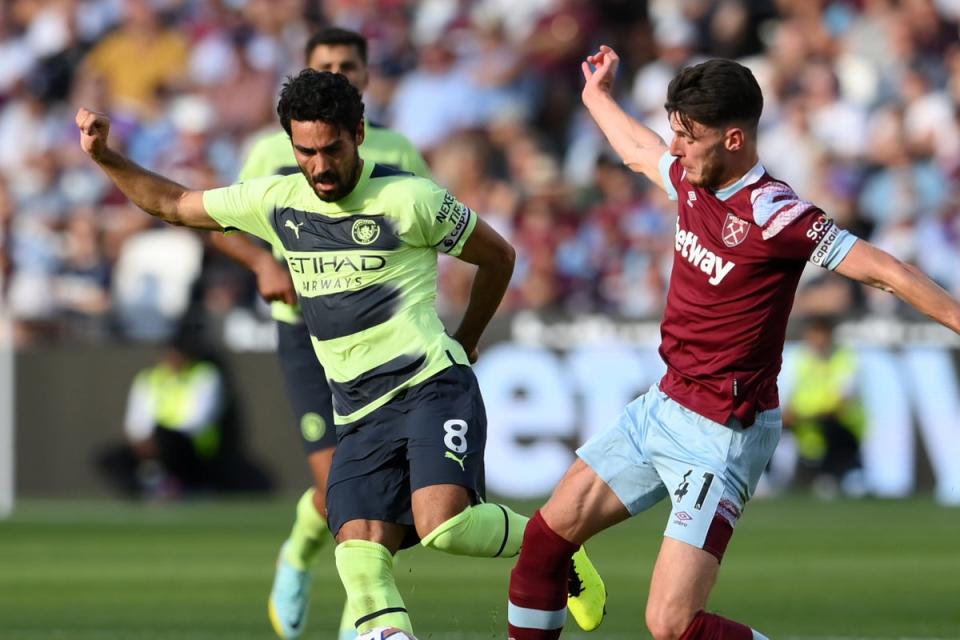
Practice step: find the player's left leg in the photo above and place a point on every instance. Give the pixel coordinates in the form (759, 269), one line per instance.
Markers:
(711, 470)
(311, 400)
(364, 555)
(446, 439)
(676, 607)
(368, 507)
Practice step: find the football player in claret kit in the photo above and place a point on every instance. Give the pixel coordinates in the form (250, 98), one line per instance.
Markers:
(361, 243)
(701, 436)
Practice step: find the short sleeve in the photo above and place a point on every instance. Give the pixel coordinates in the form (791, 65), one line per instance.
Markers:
(440, 220)
(244, 206)
(666, 163)
(797, 229)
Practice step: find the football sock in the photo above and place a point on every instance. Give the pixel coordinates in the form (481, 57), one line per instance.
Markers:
(485, 530)
(537, 607)
(709, 626)
(366, 570)
(309, 533)
(347, 630)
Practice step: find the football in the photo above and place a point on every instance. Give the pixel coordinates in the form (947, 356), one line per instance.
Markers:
(382, 633)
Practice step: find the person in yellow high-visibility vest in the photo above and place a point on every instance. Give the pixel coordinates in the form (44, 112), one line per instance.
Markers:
(172, 421)
(824, 410)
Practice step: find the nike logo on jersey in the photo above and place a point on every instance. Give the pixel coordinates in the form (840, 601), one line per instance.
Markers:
(459, 461)
(688, 244)
(293, 226)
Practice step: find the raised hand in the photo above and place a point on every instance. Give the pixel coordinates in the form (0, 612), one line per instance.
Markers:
(94, 129)
(599, 71)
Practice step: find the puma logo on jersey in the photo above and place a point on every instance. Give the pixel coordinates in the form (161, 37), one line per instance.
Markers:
(293, 226)
(459, 461)
(688, 244)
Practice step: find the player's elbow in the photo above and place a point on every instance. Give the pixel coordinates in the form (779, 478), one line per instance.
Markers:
(500, 258)
(635, 164)
(508, 257)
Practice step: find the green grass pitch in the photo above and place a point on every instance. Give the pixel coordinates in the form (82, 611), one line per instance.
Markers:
(796, 568)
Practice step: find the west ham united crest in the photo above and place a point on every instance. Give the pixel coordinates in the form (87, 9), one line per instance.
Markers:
(734, 230)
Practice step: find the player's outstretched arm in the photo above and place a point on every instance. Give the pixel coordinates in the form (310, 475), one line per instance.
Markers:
(877, 268)
(638, 146)
(273, 279)
(158, 196)
(494, 258)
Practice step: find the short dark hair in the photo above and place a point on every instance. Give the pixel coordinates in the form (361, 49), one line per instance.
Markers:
(335, 36)
(320, 95)
(715, 93)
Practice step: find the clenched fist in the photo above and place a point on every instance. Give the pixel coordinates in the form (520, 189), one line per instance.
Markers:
(94, 129)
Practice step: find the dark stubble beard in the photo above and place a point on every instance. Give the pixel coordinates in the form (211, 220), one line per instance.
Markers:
(344, 187)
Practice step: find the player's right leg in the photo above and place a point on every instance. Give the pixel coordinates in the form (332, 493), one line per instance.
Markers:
(368, 507)
(581, 506)
(365, 550)
(310, 398)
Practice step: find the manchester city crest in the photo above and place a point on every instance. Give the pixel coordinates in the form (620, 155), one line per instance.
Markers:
(365, 231)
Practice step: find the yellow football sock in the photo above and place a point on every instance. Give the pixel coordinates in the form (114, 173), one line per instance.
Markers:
(308, 535)
(484, 530)
(366, 570)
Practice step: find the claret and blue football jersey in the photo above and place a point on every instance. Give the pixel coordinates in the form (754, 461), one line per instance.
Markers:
(738, 256)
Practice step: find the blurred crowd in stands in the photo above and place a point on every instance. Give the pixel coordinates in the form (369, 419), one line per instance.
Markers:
(862, 117)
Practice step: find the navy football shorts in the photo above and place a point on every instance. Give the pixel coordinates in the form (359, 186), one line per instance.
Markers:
(307, 387)
(432, 433)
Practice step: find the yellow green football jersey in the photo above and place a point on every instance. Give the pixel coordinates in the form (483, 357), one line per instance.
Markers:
(365, 269)
(272, 154)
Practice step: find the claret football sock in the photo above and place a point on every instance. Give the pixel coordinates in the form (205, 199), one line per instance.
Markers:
(537, 608)
(309, 534)
(485, 530)
(366, 570)
(710, 626)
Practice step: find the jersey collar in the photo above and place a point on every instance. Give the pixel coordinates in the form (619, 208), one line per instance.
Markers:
(748, 178)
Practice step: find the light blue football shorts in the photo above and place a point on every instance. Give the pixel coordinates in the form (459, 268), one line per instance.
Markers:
(659, 448)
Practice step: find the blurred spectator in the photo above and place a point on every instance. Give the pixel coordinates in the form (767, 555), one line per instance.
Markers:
(154, 276)
(81, 285)
(862, 116)
(180, 436)
(824, 412)
(418, 114)
(139, 60)
(6, 262)
(172, 423)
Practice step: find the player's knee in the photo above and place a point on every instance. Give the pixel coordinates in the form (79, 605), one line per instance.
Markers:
(437, 505)
(443, 535)
(666, 623)
(430, 523)
(363, 562)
